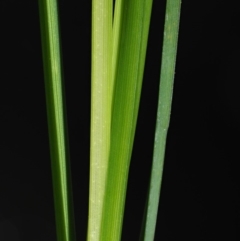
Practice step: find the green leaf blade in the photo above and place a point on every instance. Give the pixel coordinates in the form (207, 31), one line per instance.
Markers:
(132, 31)
(56, 120)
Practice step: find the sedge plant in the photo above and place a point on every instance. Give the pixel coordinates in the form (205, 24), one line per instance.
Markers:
(119, 43)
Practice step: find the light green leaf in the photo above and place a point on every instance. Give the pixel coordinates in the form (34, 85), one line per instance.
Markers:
(172, 18)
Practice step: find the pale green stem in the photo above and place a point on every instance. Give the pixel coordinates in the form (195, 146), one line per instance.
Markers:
(101, 99)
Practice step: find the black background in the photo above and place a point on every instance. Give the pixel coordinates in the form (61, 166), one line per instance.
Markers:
(200, 192)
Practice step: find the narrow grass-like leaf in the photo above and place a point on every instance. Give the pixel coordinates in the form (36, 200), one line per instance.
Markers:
(101, 99)
(130, 44)
(172, 18)
(56, 120)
